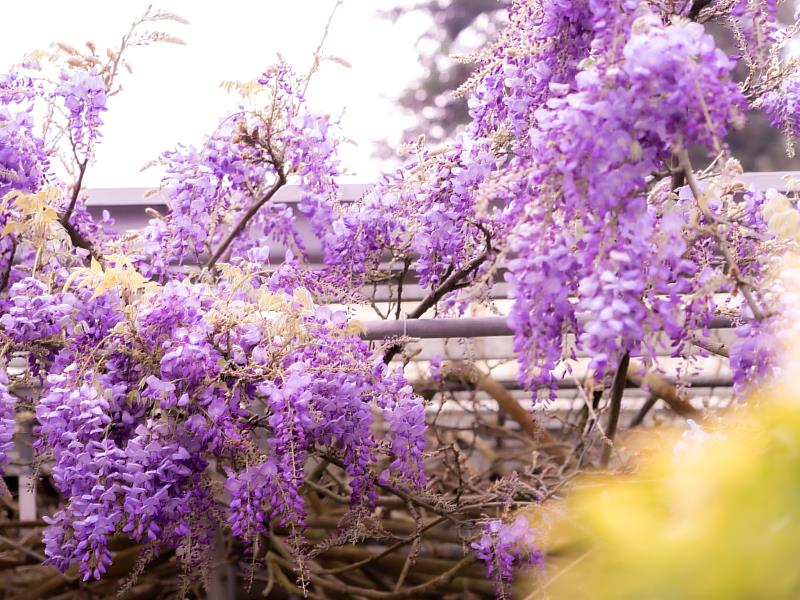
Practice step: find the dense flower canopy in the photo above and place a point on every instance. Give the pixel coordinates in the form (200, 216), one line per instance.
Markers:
(187, 379)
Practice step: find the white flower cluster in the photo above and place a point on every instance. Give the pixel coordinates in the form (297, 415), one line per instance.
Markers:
(783, 218)
(692, 438)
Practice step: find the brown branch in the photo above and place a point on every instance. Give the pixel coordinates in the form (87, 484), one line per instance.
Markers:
(448, 285)
(469, 373)
(717, 348)
(27, 551)
(75, 236)
(406, 265)
(76, 191)
(400, 493)
(7, 272)
(14, 524)
(318, 52)
(697, 6)
(662, 389)
(646, 408)
(279, 183)
(376, 557)
(409, 561)
(617, 389)
(79, 241)
(677, 179)
(432, 565)
(410, 592)
(733, 268)
(396, 527)
(122, 563)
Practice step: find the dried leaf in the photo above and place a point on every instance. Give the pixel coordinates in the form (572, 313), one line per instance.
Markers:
(66, 48)
(14, 227)
(340, 61)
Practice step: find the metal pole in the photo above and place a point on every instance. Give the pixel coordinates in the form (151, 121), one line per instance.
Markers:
(461, 327)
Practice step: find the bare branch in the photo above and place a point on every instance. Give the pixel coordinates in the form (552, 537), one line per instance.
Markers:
(239, 227)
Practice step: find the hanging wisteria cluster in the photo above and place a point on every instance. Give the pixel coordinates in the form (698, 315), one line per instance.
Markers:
(185, 381)
(504, 546)
(148, 380)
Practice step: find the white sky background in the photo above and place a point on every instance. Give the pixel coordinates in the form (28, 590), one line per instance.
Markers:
(174, 96)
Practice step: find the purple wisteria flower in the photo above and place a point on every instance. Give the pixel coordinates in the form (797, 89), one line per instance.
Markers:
(84, 97)
(504, 547)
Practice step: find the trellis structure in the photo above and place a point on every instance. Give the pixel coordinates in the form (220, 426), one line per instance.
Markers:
(482, 368)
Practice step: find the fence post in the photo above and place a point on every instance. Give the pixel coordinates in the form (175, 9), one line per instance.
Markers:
(222, 578)
(26, 476)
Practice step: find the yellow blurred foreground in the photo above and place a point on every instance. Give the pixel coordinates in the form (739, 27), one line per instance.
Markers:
(716, 518)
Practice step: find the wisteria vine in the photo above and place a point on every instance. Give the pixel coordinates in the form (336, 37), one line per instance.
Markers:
(187, 380)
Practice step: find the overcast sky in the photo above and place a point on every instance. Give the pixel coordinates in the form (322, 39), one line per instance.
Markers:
(174, 96)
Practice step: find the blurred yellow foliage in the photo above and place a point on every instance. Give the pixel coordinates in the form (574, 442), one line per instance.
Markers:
(719, 519)
(121, 275)
(34, 212)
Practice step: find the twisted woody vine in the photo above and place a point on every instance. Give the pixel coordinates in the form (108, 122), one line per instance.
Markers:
(185, 381)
